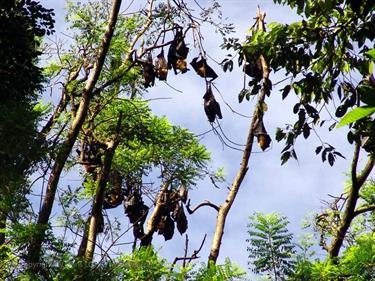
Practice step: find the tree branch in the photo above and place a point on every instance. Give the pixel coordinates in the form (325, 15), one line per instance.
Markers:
(193, 256)
(362, 177)
(34, 250)
(355, 164)
(364, 209)
(353, 196)
(205, 203)
(224, 209)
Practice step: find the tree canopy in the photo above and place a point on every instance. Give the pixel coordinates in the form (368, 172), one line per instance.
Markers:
(135, 170)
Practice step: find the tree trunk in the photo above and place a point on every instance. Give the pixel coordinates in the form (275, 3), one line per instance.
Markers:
(34, 250)
(96, 212)
(83, 245)
(349, 212)
(224, 209)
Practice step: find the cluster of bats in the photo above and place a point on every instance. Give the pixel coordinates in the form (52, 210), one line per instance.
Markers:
(254, 68)
(172, 210)
(176, 60)
(171, 214)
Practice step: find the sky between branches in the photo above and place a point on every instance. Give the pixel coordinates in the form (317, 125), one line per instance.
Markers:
(294, 189)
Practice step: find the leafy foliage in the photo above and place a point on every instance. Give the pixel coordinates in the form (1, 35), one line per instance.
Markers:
(317, 54)
(23, 24)
(20, 81)
(270, 249)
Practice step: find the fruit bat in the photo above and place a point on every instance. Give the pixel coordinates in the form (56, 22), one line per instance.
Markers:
(148, 71)
(211, 106)
(180, 219)
(114, 195)
(166, 227)
(264, 140)
(181, 65)
(203, 69)
(183, 193)
(90, 157)
(253, 67)
(161, 66)
(178, 52)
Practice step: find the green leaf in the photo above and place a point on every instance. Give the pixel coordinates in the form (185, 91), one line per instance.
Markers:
(285, 157)
(367, 94)
(356, 114)
(241, 95)
(371, 53)
(286, 91)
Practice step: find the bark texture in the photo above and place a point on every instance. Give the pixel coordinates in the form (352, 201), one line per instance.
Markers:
(350, 207)
(35, 247)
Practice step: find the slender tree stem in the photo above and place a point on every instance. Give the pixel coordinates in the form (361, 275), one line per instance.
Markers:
(34, 250)
(349, 212)
(224, 209)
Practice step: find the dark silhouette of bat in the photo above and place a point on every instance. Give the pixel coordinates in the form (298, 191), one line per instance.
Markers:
(178, 52)
(264, 140)
(211, 106)
(148, 71)
(253, 67)
(161, 66)
(203, 69)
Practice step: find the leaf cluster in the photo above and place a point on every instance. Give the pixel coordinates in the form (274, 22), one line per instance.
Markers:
(319, 54)
(270, 245)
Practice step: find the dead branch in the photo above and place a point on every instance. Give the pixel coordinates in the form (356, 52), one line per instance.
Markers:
(193, 256)
(205, 203)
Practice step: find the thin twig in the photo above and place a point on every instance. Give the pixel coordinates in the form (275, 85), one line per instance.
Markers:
(205, 203)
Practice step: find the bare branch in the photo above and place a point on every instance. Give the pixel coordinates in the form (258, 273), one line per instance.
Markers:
(193, 256)
(205, 203)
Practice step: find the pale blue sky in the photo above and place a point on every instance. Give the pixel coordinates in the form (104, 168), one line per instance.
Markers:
(293, 189)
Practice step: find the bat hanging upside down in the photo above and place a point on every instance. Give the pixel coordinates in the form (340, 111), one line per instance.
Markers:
(211, 106)
(161, 66)
(203, 69)
(148, 71)
(177, 53)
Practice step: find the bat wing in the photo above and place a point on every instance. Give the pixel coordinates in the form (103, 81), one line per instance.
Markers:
(217, 109)
(210, 112)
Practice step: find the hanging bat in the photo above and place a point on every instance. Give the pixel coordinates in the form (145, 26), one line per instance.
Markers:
(113, 195)
(253, 67)
(203, 69)
(161, 66)
(178, 52)
(264, 140)
(90, 157)
(181, 65)
(211, 106)
(148, 71)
